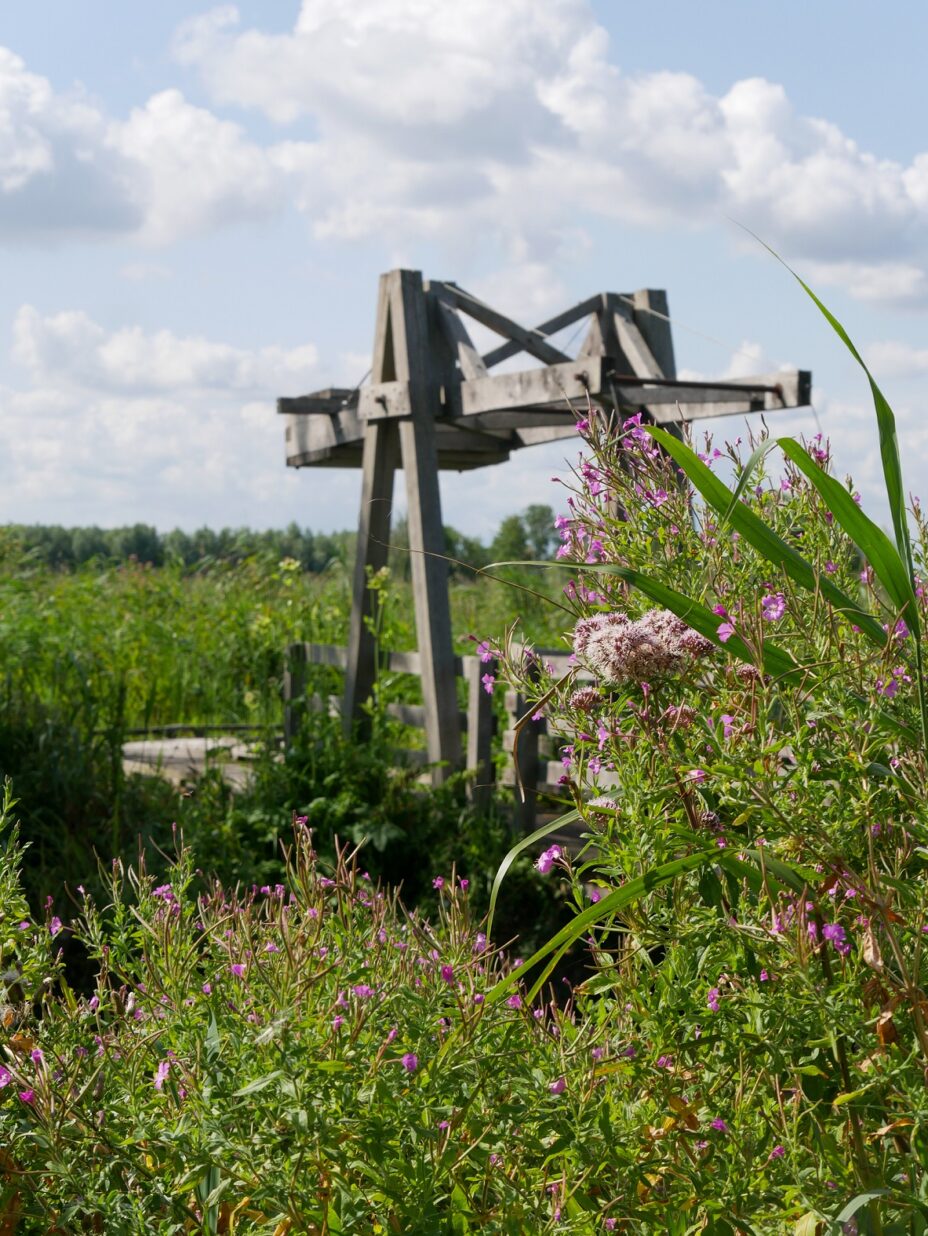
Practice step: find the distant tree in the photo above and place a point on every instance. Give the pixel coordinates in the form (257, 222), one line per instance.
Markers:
(511, 541)
(538, 520)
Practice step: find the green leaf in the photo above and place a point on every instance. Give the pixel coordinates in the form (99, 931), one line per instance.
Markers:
(538, 835)
(753, 529)
(633, 891)
(856, 1203)
(888, 566)
(259, 1084)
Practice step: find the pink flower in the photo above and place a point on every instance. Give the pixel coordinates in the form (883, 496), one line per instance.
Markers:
(447, 974)
(558, 1087)
(719, 1125)
(489, 682)
(725, 632)
(696, 774)
(438, 882)
(547, 860)
(337, 1021)
(713, 999)
(727, 724)
(514, 1001)
(27, 1096)
(161, 1074)
(54, 926)
(362, 991)
(665, 1062)
(410, 1062)
(484, 651)
(5, 1077)
(777, 1152)
(773, 606)
(836, 934)
(271, 947)
(237, 969)
(207, 989)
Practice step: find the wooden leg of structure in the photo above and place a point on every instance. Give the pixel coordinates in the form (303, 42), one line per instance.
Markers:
(430, 595)
(379, 466)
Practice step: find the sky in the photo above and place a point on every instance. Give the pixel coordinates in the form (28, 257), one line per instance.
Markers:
(196, 203)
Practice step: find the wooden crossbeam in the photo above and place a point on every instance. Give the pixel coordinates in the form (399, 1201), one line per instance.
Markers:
(471, 362)
(529, 341)
(581, 310)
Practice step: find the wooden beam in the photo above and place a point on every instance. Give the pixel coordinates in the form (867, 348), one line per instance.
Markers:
(570, 380)
(454, 330)
(768, 392)
(551, 327)
(327, 402)
(378, 468)
(417, 437)
(529, 341)
(636, 349)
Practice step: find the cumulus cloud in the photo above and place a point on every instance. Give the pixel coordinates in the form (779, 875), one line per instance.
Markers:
(514, 118)
(122, 425)
(506, 127)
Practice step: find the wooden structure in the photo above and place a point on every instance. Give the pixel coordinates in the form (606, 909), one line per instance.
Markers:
(433, 403)
(476, 720)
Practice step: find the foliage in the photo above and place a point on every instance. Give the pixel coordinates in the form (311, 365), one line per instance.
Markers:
(749, 763)
(299, 1057)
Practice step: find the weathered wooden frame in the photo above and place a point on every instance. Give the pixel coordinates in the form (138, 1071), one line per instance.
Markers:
(433, 403)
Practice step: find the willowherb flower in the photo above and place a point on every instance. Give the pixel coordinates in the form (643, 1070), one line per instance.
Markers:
(410, 1062)
(5, 1077)
(161, 1074)
(584, 699)
(559, 1086)
(719, 1125)
(773, 606)
(712, 1000)
(447, 974)
(548, 858)
(838, 937)
(619, 650)
(54, 926)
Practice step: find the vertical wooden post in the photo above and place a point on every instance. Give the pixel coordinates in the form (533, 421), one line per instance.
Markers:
(294, 691)
(480, 720)
(412, 361)
(526, 755)
(652, 317)
(379, 460)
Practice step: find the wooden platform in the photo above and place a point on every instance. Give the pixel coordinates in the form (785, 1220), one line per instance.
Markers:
(181, 761)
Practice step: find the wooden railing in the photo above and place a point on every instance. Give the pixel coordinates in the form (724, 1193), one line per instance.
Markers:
(477, 720)
(536, 788)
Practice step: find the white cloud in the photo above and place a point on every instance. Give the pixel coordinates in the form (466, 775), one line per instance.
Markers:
(70, 350)
(125, 425)
(503, 128)
(894, 359)
(512, 121)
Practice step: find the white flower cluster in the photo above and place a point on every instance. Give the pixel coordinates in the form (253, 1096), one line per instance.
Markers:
(618, 649)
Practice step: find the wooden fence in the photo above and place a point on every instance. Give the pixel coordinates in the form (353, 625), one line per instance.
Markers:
(536, 786)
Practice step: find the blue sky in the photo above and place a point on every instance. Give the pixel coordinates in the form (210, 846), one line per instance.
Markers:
(195, 204)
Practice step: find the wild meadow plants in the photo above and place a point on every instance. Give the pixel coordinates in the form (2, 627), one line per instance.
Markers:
(744, 738)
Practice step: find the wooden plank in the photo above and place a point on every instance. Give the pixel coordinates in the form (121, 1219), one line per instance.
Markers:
(384, 400)
(379, 463)
(480, 729)
(414, 715)
(529, 340)
(635, 348)
(294, 690)
(550, 327)
(765, 392)
(326, 654)
(570, 380)
(510, 419)
(327, 402)
(471, 362)
(409, 318)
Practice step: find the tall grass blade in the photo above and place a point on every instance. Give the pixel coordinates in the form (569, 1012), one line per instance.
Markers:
(611, 904)
(538, 835)
(871, 540)
(763, 538)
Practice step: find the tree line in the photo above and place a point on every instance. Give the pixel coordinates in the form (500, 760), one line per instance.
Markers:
(528, 535)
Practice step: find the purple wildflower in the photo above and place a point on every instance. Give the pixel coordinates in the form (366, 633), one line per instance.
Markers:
(5, 1077)
(237, 969)
(725, 632)
(719, 1125)
(547, 859)
(559, 1086)
(773, 606)
(489, 682)
(447, 974)
(54, 926)
(161, 1074)
(410, 1062)
(362, 991)
(837, 935)
(712, 1000)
